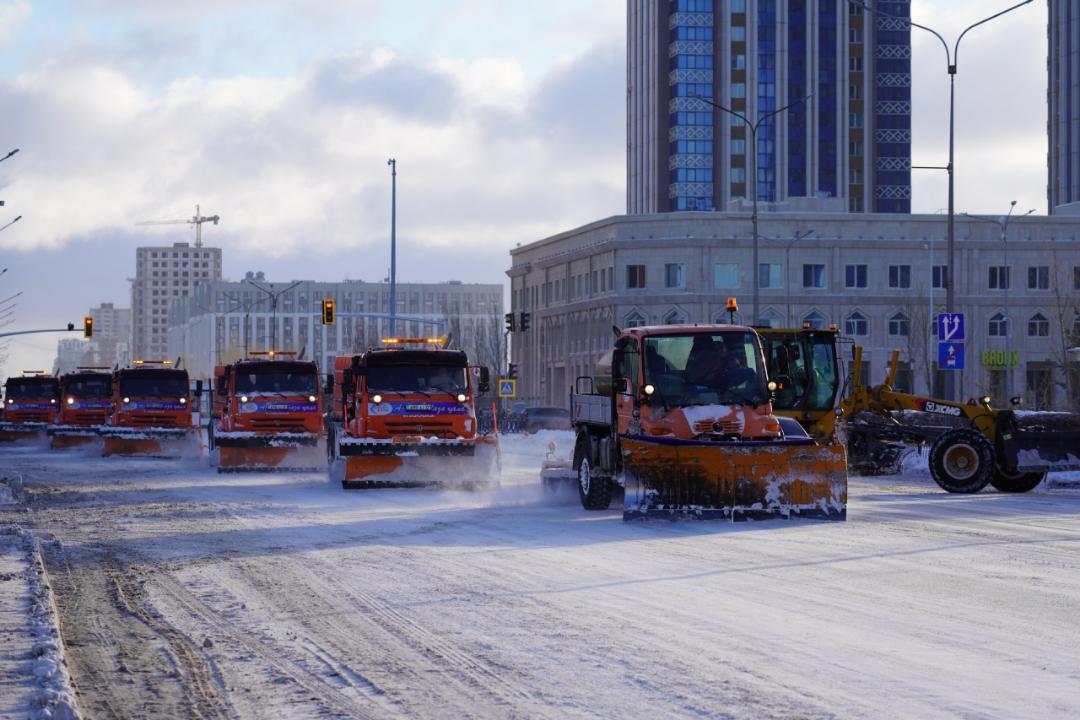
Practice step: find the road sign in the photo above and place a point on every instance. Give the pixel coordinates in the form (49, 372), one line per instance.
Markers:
(950, 356)
(950, 327)
(507, 388)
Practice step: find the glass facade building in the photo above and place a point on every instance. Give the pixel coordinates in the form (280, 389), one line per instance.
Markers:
(1063, 126)
(845, 74)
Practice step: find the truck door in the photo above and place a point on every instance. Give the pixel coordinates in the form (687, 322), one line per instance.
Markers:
(627, 379)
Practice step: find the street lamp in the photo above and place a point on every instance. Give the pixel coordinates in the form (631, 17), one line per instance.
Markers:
(753, 162)
(273, 295)
(951, 58)
(246, 306)
(787, 272)
(392, 162)
(1003, 223)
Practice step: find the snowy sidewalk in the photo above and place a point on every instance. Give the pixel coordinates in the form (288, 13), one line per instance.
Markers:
(33, 680)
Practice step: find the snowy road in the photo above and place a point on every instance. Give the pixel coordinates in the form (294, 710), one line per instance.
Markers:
(183, 593)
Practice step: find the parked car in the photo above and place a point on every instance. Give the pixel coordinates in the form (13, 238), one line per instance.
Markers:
(546, 418)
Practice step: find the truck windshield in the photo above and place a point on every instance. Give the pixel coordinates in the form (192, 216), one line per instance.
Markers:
(30, 391)
(702, 369)
(281, 383)
(154, 387)
(89, 388)
(416, 378)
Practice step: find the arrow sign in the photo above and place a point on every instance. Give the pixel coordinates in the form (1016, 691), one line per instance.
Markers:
(950, 327)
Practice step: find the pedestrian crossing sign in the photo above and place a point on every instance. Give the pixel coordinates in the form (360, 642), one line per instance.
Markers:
(507, 388)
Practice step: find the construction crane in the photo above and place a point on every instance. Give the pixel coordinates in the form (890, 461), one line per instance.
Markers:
(197, 221)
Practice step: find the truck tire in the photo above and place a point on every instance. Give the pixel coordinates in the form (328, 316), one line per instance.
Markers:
(594, 489)
(962, 461)
(1016, 483)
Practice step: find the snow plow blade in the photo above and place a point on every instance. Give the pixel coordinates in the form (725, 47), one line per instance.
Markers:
(150, 442)
(22, 432)
(62, 437)
(1038, 441)
(280, 452)
(463, 465)
(675, 479)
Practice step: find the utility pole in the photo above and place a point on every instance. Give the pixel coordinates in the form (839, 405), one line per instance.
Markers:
(393, 246)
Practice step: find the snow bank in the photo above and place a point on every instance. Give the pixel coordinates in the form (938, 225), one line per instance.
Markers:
(44, 671)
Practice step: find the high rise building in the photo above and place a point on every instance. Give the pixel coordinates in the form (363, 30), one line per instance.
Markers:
(1063, 126)
(162, 275)
(844, 73)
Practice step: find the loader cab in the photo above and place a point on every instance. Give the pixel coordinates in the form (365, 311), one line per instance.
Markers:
(804, 364)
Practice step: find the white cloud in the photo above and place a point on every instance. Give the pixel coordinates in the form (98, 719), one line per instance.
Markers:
(12, 17)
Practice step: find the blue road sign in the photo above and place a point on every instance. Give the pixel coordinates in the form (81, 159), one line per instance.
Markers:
(950, 356)
(507, 388)
(950, 327)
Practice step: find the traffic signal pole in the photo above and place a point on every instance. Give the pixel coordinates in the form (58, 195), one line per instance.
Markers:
(69, 328)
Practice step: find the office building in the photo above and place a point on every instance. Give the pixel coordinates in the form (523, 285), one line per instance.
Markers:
(163, 275)
(1063, 125)
(878, 278)
(223, 321)
(844, 74)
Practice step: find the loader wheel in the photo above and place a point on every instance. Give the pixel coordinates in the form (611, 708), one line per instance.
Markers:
(962, 461)
(594, 489)
(1016, 483)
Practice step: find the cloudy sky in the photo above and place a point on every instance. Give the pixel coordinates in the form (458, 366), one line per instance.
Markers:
(506, 118)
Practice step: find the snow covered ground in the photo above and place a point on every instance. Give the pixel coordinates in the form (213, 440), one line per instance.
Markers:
(183, 593)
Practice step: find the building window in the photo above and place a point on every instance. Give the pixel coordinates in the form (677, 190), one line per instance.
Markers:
(675, 317)
(738, 61)
(856, 324)
(999, 277)
(726, 276)
(855, 35)
(1076, 278)
(738, 90)
(815, 320)
(940, 276)
(855, 203)
(770, 276)
(635, 276)
(635, 319)
(855, 63)
(900, 276)
(738, 175)
(1038, 326)
(855, 120)
(738, 33)
(674, 275)
(999, 326)
(854, 92)
(856, 148)
(738, 147)
(1039, 277)
(899, 325)
(855, 276)
(813, 276)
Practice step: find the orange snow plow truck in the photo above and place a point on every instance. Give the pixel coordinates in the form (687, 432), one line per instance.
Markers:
(681, 417)
(268, 415)
(406, 417)
(29, 406)
(152, 412)
(86, 402)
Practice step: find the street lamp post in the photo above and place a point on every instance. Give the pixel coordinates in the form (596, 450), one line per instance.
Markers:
(753, 163)
(392, 162)
(1003, 223)
(273, 295)
(787, 272)
(951, 58)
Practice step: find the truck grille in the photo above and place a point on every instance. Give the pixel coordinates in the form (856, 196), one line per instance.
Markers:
(430, 428)
(152, 420)
(718, 427)
(285, 424)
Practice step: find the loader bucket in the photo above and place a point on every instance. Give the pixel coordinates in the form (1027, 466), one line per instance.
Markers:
(14, 433)
(1038, 441)
(269, 459)
(733, 481)
(61, 441)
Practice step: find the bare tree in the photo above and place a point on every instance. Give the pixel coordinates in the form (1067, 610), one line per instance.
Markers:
(1066, 331)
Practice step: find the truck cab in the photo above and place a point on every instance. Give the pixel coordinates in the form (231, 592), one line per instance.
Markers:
(152, 412)
(30, 403)
(86, 403)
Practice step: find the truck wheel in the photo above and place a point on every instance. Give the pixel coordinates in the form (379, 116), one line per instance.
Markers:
(594, 489)
(962, 461)
(1016, 482)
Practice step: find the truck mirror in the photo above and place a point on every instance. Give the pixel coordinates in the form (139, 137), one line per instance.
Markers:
(485, 380)
(622, 385)
(328, 389)
(346, 381)
(198, 388)
(223, 387)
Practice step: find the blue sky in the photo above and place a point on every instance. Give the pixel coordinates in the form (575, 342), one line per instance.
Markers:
(506, 117)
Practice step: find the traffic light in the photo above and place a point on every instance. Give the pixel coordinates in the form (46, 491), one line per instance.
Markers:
(328, 311)
(88, 327)
(511, 371)
(524, 321)
(511, 322)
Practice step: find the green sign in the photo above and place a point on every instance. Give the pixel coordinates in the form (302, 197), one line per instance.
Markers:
(996, 359)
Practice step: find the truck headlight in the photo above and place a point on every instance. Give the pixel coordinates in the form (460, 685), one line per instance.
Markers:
(127, 400)
(311, 398)
(53, 401)
(376, 399)
(461, 398)
(183, 401)
(243, 398)
(71, 401)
